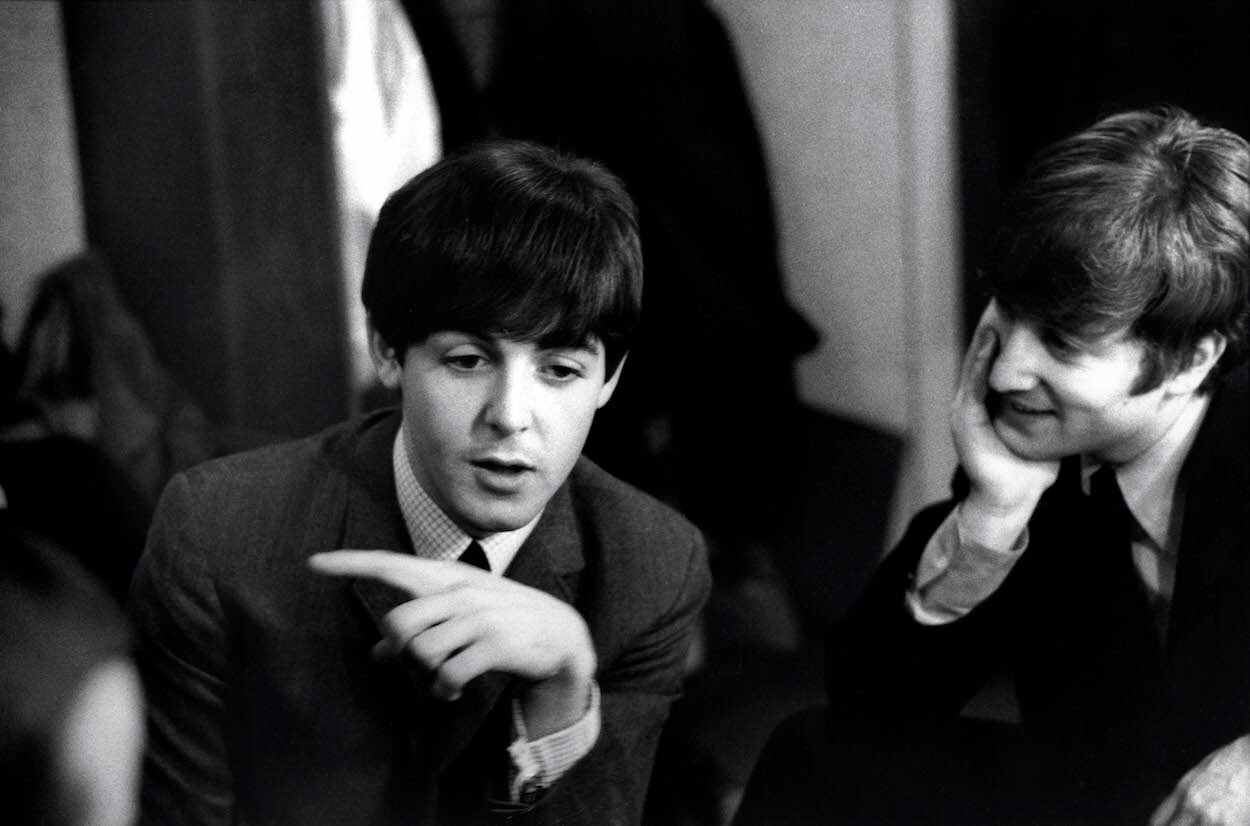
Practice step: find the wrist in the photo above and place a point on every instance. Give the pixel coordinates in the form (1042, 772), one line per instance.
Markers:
(993, 525)
(560, 700)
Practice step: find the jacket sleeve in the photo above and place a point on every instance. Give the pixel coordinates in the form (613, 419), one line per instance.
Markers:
(180, 635)
(886, 672)
(638, 687)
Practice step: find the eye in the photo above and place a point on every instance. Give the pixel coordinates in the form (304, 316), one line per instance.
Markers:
(1060, 345)
(563, 371)
(465, 361)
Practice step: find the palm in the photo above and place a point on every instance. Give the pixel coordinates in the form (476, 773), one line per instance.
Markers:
(992, 468)
(1001, 478)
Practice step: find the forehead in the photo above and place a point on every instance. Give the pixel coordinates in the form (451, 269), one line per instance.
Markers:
(1091, 339)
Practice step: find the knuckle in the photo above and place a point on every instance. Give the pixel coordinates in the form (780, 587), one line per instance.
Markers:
(495, 628)
(395, 628)
(399, 618)
(420, 649)
(450, 678)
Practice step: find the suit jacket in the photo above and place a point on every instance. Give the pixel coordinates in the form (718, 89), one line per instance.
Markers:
(266, 706)
(1113, 712)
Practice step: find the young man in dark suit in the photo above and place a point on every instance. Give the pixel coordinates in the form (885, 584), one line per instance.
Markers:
(1098, 547)
(320, 642)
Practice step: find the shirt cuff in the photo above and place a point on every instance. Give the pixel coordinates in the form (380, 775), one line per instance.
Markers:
(955, 576)
(538, 764)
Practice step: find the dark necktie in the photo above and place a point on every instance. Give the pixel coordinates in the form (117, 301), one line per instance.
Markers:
(1120, 528)
(475, 556)
(1109, 504)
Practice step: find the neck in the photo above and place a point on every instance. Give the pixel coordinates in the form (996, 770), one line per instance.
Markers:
(1175, 434)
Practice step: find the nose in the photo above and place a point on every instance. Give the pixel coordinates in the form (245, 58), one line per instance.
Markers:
(1020, 354)
(510, 406)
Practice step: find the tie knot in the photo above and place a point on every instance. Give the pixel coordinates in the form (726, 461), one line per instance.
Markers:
(475, 556)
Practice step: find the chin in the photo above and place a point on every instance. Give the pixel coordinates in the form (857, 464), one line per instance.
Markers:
(496, 520)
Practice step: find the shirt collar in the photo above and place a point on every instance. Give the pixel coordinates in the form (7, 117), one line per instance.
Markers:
(434, 535)
(1149, 481)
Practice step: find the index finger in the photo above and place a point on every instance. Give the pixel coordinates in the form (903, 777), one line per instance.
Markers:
(417, 576)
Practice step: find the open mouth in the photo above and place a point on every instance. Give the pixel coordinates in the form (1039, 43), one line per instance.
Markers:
(1000, 405)
(503, 467)
(502, 476)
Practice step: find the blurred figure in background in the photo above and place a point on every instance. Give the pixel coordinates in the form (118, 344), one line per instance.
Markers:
(91, 373)
(71, 708)
(54, 477)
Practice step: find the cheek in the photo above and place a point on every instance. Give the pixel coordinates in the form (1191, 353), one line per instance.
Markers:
(570, 423)
(1096, 390)
(437, 416)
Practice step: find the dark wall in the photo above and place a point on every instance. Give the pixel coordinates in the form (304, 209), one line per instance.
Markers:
(1032, 71)
(208, 186)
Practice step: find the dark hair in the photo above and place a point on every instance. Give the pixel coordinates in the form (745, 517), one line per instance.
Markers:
(1140, 223)
(510, 239)
(56, 625)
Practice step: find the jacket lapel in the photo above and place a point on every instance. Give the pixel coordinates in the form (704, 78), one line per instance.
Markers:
(1216, 515)
(1209, 615)
(551, 560)
(372, 520)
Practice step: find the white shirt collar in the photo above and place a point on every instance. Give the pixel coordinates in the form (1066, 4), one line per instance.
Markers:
(434, 535)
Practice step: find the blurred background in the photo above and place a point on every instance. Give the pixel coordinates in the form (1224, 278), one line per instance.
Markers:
(187, 186)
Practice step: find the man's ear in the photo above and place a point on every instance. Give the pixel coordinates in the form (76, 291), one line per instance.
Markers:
(1202, 360)
(609, 386)
(385, 362)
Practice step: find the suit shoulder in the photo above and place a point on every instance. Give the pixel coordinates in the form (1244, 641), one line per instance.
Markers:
(283, 464)
(647, 562)
(251, 476)
(622, 510)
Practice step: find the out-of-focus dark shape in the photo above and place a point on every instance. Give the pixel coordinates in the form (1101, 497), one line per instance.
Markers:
(68, 490)
(91, 373)
(765, 639)
(91, 424)
(71, 720)
(207, 184)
